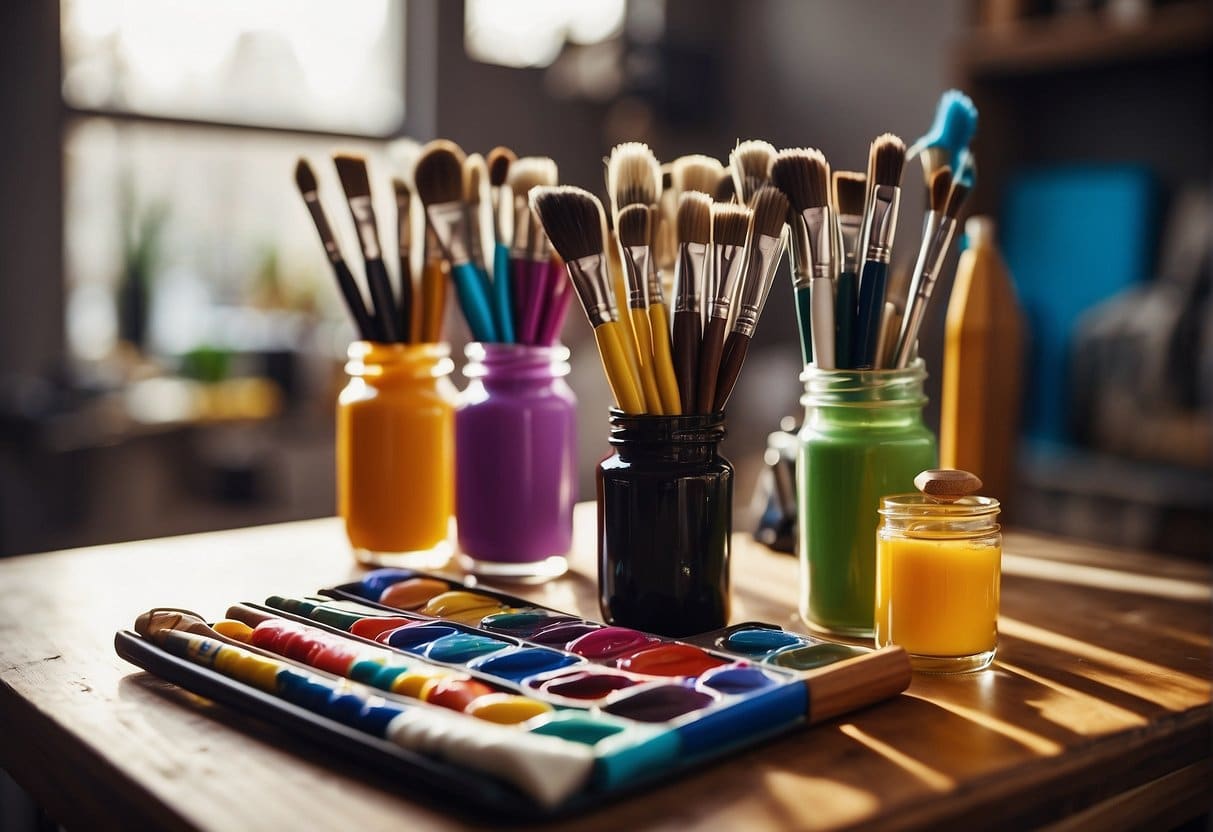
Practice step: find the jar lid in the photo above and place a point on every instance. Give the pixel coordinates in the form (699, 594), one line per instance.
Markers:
(944, 492)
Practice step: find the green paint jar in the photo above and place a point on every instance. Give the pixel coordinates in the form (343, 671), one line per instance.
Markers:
(863, 439)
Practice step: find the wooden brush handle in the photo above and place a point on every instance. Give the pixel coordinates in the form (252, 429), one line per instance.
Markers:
(610, 337)
(688, 330)
(433, 300)
(663, 361)
(865, 680)
(730, 367)
(709, 363)
(644, 354)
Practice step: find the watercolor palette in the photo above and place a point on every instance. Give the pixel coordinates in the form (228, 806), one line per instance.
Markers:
(500, 704)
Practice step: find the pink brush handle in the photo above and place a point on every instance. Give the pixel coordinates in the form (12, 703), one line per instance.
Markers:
(520, 280)
(540, 290)
(557, 305)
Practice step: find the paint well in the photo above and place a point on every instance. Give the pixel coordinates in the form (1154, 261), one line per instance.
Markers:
(462, 647)
(413, 636)
(670, 660)
(516, 665)
(523, 623)
(609, 642)
(758, 641)
(660, 704)
(736, 680)
(560, 635)
(587, 686)
(813, 656)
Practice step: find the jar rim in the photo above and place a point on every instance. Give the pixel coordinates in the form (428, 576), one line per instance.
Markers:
(493, 357)
(682, 428)
(920, 505)
(376, 358)
(900, 387)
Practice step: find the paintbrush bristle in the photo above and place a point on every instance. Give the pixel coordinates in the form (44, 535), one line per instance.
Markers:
(770, 211)
(633, 176)
(572, 219)
(803, 174)
(850, 187)
(499, 161)
(532, 172)
(941, 186)
(694, 220)
(475, 174)
(635, 225)
(751, 164)
(438, 175)
(886, 159)
(730, 222)
(726, 190)
(305, 177)
(956, 199)
(697, 173)
(351, 169)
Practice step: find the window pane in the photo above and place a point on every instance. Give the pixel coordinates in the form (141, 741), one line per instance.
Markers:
(302, 64)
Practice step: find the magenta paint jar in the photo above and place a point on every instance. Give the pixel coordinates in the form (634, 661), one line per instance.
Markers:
(515, 461)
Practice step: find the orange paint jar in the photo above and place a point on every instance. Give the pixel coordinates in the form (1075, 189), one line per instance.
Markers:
(396, 453)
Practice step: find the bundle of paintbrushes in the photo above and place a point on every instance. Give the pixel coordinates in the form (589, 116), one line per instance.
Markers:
(392, 316)
(842, 240)
(723, 256)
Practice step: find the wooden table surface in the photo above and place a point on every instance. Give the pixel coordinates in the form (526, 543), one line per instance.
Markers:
(1096, 712)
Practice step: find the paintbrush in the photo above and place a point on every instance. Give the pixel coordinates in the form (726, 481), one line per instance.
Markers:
(699, 173)
(730, 225)
(939, 226)
(439, 180)
(634, 178)
(434, 277)
(726, 189)
(694, 227)
(305, 179)
(404, 240)
(502, 199)
(949, 137)
(764, 244)
(804, 178)
(357, 186)
(573, 220)
(475, 178)
(849, 190)
(556, 306)
(530, 252)
(750, 163)
(885, 162)
(634, 236)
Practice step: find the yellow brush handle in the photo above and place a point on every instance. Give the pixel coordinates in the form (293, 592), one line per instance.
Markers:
(610, 338)
(663, 360)
(433, 300)
(644, 354)
(627, 337)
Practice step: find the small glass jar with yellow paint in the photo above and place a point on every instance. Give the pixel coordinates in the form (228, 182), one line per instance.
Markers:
(396, 453)
(938, 569)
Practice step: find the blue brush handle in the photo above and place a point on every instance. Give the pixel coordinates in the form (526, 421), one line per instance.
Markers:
(872, 288)
(474, 301)
(501, 293)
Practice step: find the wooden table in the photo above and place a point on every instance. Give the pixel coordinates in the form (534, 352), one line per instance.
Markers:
(1096, 712)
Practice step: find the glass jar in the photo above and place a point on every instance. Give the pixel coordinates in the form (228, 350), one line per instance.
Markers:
(665, 521)
(516, 461)
(863, 438)
(939, 566)
(396, 453)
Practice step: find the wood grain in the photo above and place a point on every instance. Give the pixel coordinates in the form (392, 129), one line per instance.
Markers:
(1099, 699)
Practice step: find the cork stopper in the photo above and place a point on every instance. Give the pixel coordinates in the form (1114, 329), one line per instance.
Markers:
(947, 485)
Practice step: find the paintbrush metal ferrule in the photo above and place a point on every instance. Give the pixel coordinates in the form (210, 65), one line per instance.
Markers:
(539, 247)
(728, 265)
(502, 197)
(592, 282)
(451, 228)
(656, 290)
(312, 200)
(760, 275)
(814, 246)
(689, 276)
(364, 220)
(882, 224)
(636, 262)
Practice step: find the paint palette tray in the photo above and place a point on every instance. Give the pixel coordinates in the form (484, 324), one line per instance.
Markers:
(487, 701)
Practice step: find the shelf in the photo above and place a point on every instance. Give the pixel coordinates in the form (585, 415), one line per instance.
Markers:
(1034, 48)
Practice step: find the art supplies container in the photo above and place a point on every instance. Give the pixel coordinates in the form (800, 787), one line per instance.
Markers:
(665, 517)
(396, 453)
(516, 461)
(938, 564)
(863, 439)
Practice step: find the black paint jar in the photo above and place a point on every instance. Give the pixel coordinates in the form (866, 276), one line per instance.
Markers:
(665, 521)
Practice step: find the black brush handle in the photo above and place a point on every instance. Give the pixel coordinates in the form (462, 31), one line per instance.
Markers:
(709, 363)
(367, 329)
(844, 320)
(730, 367)
(872, 288)
(687, 332)
(406, 299)
(381, 296)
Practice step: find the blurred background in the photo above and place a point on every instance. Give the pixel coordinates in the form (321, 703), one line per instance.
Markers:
(171, 340)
